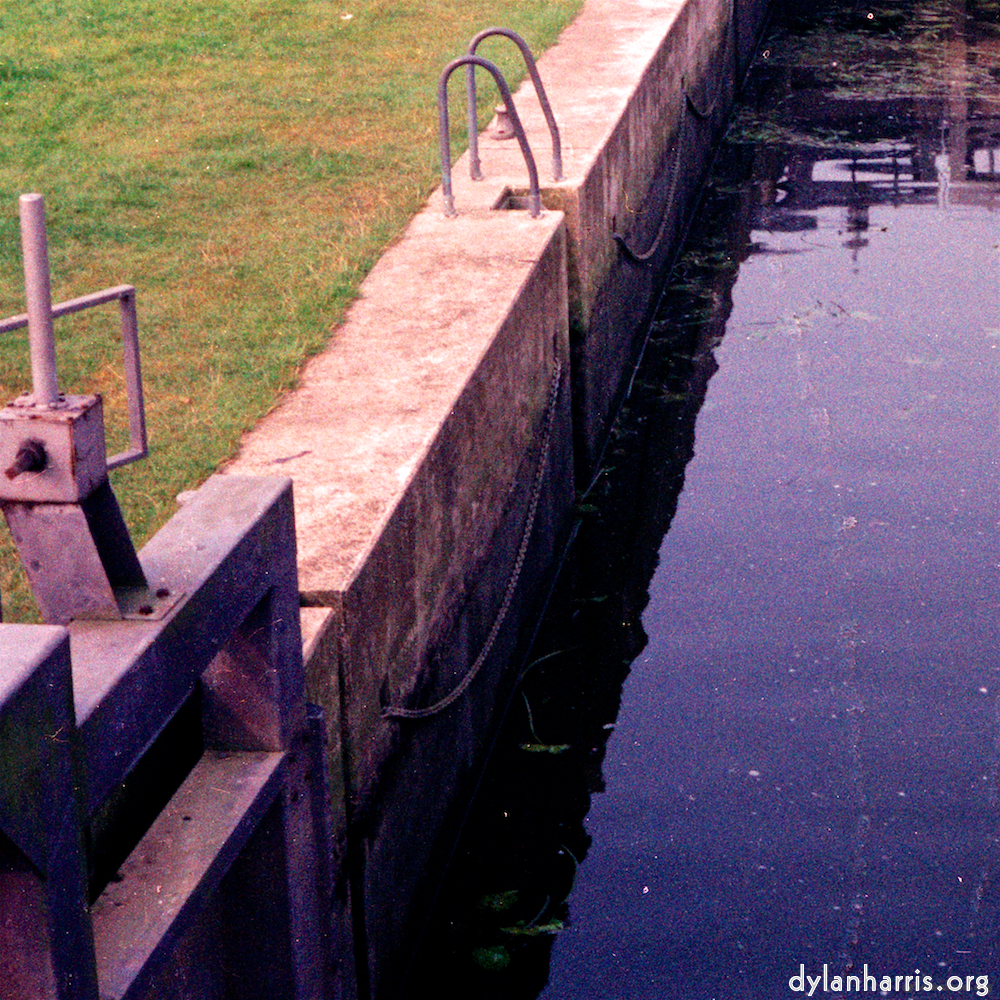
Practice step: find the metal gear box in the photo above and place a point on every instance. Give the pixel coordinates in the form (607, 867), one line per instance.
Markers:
(63, 445)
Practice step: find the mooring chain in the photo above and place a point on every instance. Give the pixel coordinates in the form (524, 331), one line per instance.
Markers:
(688, 103)
(400, 712)
(703, 114)
(643, 258)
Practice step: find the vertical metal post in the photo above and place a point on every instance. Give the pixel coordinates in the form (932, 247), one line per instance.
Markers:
(475, 165)
(133, 377)
(39, 295)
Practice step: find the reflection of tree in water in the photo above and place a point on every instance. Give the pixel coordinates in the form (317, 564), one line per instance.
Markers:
(791, 152)
(904, 98)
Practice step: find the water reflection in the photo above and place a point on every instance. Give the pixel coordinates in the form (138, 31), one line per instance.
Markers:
(770, 739)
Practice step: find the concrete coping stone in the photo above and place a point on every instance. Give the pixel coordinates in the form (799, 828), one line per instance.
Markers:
(367, 409)
(590, 75)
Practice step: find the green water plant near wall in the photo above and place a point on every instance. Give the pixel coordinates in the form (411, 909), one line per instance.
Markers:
(243, 163)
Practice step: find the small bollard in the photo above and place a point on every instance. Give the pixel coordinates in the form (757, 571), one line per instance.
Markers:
(504, 129)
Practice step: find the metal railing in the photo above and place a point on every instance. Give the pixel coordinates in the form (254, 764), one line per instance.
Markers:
(38, 320)
(529, 62)
(534, 195)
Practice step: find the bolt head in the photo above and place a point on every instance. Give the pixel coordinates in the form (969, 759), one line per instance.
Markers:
(72, 437)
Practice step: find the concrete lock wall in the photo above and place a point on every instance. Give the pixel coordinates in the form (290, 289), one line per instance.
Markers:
(436, 444)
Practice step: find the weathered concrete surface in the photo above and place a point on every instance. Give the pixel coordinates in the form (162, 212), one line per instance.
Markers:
(415, 438)
(404, 835)
(409, 441)
(615, 81)
(619, 79)
(405, 437)
(397, 378)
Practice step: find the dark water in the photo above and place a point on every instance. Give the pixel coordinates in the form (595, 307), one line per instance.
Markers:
(767, 740)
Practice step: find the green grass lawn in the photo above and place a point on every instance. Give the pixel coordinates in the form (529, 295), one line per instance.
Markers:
(243, 163)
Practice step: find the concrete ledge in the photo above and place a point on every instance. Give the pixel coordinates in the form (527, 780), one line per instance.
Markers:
(411, 425)
(414, 438)
(405, 438)
(408, 441)
(616, 79)
(370, 409)
(619, 80)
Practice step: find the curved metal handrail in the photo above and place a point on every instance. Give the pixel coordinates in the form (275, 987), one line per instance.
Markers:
(534, 195)
(470, 84)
